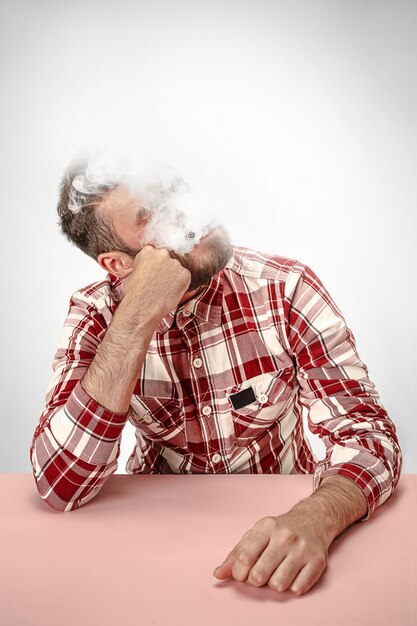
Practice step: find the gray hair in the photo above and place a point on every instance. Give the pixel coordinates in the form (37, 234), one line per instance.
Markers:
(81, 217)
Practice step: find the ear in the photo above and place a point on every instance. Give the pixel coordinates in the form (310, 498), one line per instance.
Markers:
(117, 263)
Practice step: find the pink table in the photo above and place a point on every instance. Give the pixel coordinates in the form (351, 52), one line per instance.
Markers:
(142, 552)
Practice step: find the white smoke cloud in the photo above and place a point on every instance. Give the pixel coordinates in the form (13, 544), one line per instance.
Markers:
(180, 214)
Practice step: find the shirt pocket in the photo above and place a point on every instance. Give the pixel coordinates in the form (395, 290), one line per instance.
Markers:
(160, 419)
(273, 393)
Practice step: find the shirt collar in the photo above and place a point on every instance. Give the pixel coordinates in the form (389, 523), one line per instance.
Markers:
(207, 305)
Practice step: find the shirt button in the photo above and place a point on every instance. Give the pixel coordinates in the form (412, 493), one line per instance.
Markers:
(206, 410)
(197, 362)
(147, 418)
(186, 312)
(216, 458)
(262, 398)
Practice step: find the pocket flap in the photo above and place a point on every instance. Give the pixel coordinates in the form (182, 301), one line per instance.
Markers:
(261, 391)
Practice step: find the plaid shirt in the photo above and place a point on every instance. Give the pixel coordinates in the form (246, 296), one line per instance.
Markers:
(227, 378)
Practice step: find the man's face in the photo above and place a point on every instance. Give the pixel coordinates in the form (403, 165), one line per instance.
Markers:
(129, 219)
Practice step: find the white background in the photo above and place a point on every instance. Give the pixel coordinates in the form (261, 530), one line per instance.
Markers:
(301, 114)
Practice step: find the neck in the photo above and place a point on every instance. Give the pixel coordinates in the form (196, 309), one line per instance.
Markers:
(190, 294)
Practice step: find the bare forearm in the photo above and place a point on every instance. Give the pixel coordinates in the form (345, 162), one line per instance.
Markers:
(335, 505)
(154, 287)
(112, 375)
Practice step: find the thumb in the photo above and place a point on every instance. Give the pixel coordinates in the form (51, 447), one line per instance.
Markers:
(225, 569)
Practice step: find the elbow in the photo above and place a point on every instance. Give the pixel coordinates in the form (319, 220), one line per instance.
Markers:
(64, 481)
(49, 483)
(59, 505)
(54, 497)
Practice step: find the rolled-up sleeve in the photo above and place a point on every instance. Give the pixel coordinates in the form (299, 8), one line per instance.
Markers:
(76, 444)
(342, 405)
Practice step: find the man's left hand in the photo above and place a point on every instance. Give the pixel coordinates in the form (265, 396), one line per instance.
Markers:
(285, 552)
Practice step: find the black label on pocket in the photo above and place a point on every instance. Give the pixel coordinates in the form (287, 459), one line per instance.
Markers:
(242, 398)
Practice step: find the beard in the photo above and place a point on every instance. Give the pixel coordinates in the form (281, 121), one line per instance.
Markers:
(207, 258)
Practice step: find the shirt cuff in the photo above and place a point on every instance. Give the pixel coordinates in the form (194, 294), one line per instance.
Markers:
(364, 479)
(87, 429)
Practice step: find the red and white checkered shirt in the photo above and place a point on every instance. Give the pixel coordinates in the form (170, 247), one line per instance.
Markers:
(223, 389)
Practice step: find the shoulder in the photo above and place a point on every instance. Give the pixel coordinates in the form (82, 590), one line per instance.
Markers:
(264, 265)
(101, 295)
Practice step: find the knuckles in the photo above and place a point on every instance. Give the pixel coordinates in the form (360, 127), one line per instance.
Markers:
(289, 536)
(303, 547)
(243, 557)
(274, 582)
(320, 561)
(268, 523)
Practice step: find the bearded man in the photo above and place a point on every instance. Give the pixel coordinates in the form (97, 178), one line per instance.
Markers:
(212, 355)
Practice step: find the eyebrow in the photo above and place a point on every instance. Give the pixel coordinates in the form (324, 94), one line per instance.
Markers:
(141, 213)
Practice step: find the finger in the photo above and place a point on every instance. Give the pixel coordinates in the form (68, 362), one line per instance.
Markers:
(224, 570)
(307, 577)
(266, 564)
(248, 555)
(285, 573)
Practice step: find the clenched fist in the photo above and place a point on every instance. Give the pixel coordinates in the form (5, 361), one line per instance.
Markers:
(284, 552)
(157, 282)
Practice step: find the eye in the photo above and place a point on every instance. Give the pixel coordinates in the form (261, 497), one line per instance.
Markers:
(142, 215)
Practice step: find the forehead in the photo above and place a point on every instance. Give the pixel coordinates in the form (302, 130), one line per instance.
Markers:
(119, 204)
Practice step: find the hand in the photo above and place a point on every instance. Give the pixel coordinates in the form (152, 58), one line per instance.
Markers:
(157, 282)
(287, 551)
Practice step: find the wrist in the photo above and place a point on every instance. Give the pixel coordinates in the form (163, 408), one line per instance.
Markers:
(335, 505)
(316, 512)
(137, 316)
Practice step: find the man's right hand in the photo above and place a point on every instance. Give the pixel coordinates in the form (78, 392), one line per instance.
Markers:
(153, 288)
(157, 282)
